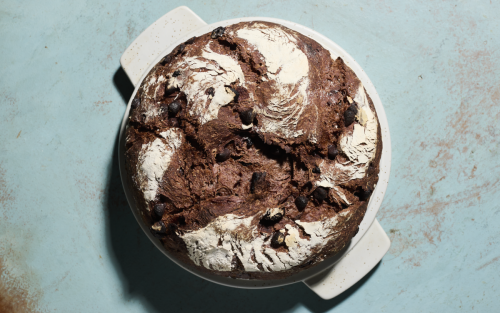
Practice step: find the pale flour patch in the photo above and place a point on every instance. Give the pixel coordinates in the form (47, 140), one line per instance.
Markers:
(215, 245)
(360, 146)
(197, 74)
(150, 108)
(154, 160)
(288, 68)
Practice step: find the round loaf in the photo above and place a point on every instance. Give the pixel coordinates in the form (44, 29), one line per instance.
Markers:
(253, 154)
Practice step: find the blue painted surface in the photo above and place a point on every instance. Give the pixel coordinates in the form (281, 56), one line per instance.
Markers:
(69, 243)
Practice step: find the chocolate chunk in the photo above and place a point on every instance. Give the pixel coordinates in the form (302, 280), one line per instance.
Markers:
(169, 90)
(176, 73)
(190, 40)
(277, 240)
(135, 103)
(249, 141)
(258, 180)
(247, 116)
(301, 202)
(158, 210)
(320, 194)
(174, 107)
(350, 115)
(180, 220)
(158, 229)
(236, 94)
(371, 169)
(275, 151)
(364, 194)
(172, 228)
(218, 32)
(316, 170)
(307, 186)
(181, 48)
(223, 155)
(356, 231)
(210, 91)
(332, 152)
(272, 216)
(166, 60)
(174, 122)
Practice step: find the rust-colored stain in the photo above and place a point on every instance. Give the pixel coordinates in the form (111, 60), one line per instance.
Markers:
(432, 188)
(112, 50)
(19, 283)
(130, 30)
(472, 175)
(383, 6)
(478, 96)
(16, 285)
(101, 106)
(89, 189)
(14, 294)
(488, 263)
(472, 86)
(57, 283)
(6, 194)
(435, 212)
(19, 134)
(10, 108)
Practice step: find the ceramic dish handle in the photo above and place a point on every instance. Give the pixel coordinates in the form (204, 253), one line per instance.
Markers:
(355, 264)
(156, 38)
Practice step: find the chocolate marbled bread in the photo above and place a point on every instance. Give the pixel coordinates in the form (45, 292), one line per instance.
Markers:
(252, 152)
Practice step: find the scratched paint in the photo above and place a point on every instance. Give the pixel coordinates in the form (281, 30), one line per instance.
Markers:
(68, 239)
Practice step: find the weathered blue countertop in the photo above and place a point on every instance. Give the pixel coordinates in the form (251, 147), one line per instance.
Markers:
(69, 243)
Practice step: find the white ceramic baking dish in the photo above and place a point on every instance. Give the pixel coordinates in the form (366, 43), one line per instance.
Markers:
(335, 274)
